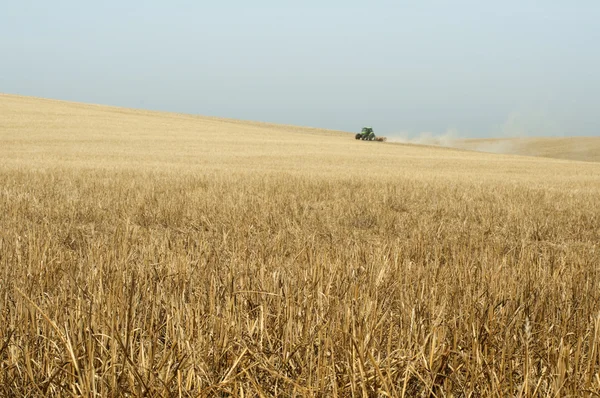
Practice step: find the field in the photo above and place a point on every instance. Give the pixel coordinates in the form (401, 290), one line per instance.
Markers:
(157, 254)
(573, 148)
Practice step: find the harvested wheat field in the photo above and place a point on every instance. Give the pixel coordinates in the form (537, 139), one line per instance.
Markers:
(157, 254)
(573, 148)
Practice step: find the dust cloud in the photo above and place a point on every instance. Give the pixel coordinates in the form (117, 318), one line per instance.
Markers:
(453, 139)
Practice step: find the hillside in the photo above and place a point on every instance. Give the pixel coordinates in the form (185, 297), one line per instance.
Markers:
(572, 148)
(158, 254)
(48, 133)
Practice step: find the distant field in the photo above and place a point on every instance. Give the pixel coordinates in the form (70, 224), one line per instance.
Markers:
(572, 148)
(158, 254)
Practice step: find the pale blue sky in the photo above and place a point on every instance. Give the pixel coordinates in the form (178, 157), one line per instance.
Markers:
(479, 68)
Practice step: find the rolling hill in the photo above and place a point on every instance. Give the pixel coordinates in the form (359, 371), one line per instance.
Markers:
(572, 148)
(38, 132)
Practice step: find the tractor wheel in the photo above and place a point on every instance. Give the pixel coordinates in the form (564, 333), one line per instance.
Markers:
(357, 136)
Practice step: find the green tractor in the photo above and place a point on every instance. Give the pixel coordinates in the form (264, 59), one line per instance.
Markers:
(367, 134)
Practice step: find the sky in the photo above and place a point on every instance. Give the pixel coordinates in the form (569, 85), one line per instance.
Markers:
(472, 68)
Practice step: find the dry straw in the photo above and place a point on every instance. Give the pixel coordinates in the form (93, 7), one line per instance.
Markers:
(148, 254)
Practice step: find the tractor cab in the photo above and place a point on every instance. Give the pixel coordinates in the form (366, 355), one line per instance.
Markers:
(367, 130)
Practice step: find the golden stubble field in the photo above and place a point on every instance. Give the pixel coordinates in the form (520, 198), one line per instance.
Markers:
(156, 254)
(573, 148)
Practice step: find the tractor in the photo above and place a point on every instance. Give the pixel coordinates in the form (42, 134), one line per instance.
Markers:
(367, 134)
